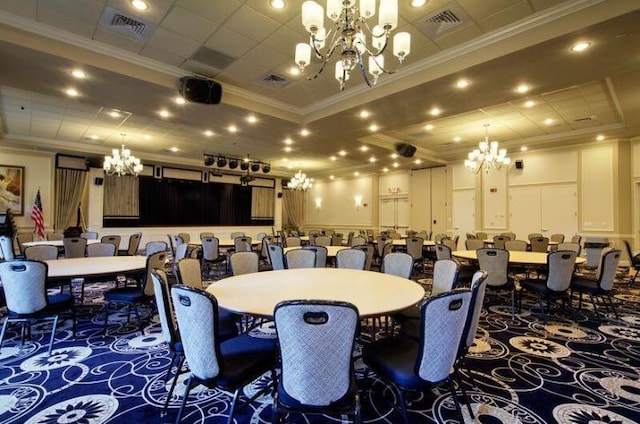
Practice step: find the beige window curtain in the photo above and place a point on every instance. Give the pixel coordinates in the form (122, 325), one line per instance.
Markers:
(293, 205)
(262, 203)
(121, 196)
(69, 187)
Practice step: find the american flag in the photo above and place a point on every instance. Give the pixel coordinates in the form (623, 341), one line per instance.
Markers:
(37, 215)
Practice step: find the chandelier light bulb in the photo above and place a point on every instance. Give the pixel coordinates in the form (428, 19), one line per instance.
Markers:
(487, 156)
(401, 45)
(312, 16)
(121, 162)
(303, 55)
(299, 181)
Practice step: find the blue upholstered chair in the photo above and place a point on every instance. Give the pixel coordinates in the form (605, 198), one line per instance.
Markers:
(276, 257)
(351, 259)
(602, 285)
(321, 254)
(300, 258)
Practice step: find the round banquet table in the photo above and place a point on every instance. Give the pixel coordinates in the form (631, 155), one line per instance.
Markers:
(57, 243)
(490, 242)
(403, 242)
(225, 242)
(95, 266)
(373, 293)
(515, 257)
(331, 250)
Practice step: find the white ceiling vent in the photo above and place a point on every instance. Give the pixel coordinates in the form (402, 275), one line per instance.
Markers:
(274, 80)
(443, 21)
(126, 24)
(586, 118)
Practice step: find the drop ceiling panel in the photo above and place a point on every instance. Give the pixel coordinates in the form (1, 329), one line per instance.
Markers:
(172, 42)
(217, 12)
(117, 40)
(506, 16)
(251, 23)
(230, 43)
(189, 24)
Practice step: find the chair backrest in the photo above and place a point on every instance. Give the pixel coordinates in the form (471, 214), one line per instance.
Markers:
(316, 341)
(210, 248)
(516, 245)
(512, 236)
(41, 253)
(206, 234)
(165, 308)
(561, 265)
(172, 244)
(368, 250)
(398, 263)
(482, 235)
(22, 238)
(381, 241)
(350, 237)
(532, 235)
(445, 274)
(276, 257)
(478, 286)
(6, 248)
(292, 242)
(539, 244)
(321, 254)
(244, 263)
(115, 240)
(181, 252)
(300, 258)
(414, 247)
(236, 234)
(177, 240)
(500, 241)
(439, 237)
(443, 252)
(199, 342)
(451, 243)
(567, 245)
(155, 261)
(134, 243)
(186, 237)
(242, 244)
(154, 247)
(24, 286)
(90, 235)
(496, 263)
(190, 273)
(322, 241)
(74, 247)
(358, 240)
(351, 259)
(473, 244)
(634, 260)
(328, 232)
(442, 322)
(608, 268)
(576, 238)
(558, 238)
(471, 236)
(101, 249)
(261, 235)
(55, 236)
(336, 239)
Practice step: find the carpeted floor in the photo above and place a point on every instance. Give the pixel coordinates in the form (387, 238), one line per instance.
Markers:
(569, 370)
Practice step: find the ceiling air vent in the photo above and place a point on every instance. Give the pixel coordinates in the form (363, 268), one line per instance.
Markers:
(274, 80)
(442, 21)
(586, 119)
(126, 24)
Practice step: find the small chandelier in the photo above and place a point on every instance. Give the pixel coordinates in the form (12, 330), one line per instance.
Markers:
(121, 162)
(349, 38)
(299, 182)
(487, 155)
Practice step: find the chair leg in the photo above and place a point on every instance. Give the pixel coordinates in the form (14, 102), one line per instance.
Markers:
(234, 401)
(464, 393)
(173, 384)
(53, 334)
(4, 329)
(166, 374)
(613, 306)
(634, 278)
(403, 406)
(595, 307)
(452, 389)
(184, 399)
(357, 419)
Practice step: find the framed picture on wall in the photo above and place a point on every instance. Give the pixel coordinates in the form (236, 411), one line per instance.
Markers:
(12, 189)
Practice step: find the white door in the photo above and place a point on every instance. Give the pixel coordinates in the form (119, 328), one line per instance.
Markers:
(524, 211)
(464, 204)
(559, 211)
(386, 214)
(439, 200)
(421, 199)
(395, 213)
(403, 214)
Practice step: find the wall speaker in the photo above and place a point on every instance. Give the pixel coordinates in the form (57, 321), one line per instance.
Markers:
(200, 90)
(405, 149)
(519, 164)
(280, 195)
(98, 181)
(157, 172)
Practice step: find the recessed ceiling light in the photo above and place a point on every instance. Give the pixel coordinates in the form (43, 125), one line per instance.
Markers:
(139, 4)
(372, 159)
(331, 177)
(115, 114)
(174, 149)
(285, 160)
(364, 148)
(435, 111)
(232, 129)
(288, 149)
(289, 166)
(385, 169)
(364, 114)
(277, 4)
(294, 71)
(252, 119)
(78, 73)
(548, 121)
(462, 83)
(522, 88)
(164, 113)
(373, 127)
(342, 153)
(580, 46)
(418, 3)
(333, 158)
(457, 139)
(147, 137)
(428, 127)
(394, 156)
(71, 92)
(93, 137)
(600, 137)
(396, 164)
(524, 148)
(355, 174)
(288, 141)
(529, 103)
(418, 161)
(180, 100)
(209, 133)
(304, 132)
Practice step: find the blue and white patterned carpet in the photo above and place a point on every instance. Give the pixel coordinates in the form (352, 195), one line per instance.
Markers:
(570, 370)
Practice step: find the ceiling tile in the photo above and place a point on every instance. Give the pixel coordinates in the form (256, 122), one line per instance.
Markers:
(162, 56)
(171, 42)
(506, 16)
(265, 57)
(291, 9)
(183, 22)
(230, 43)
(25, 8)
(242, 73)
(251, 23)
(155, 14)
(116, 40)
(67, 23)
(481, 9)
(454, 38)
(284, 40)
(215, 12)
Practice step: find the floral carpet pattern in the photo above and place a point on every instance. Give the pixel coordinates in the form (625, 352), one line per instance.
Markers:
(571, 370)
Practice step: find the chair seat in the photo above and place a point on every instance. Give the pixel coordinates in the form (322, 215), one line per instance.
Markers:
(345, 402)
(60, 301)
(395, 359)
(227, 324)
(124, 294)
(586, 285)
(507, 286)
(244, 356)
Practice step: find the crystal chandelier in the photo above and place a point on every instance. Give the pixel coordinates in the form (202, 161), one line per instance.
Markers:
(349, 38)
(299, 182)
(121, 162)
(487, 155)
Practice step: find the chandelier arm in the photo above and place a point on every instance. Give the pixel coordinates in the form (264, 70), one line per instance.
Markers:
(318, 53)
(363, 70)
(382, 68)
(387, 36)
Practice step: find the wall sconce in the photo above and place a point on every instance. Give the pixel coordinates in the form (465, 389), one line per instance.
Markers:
(358, 201)
(318, 203)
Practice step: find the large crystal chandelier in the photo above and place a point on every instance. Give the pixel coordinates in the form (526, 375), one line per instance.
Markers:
(487, 155)
(122, 162)
(300, 182)
(349, 38)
